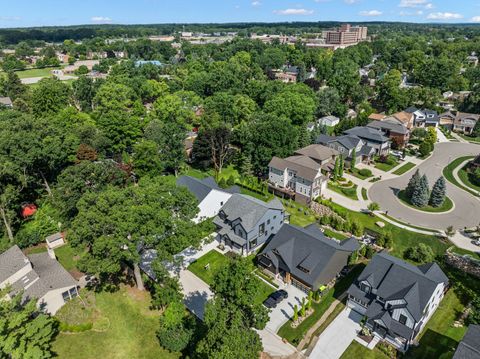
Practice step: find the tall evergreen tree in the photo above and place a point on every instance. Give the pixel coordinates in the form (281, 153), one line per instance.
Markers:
(341, 166)
(439, 191)
(412, 184)
(353, 161)
(421, 193)
(336, 169)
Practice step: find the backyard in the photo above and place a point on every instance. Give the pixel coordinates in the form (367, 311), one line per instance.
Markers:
(129, 332)
(215, 262)
(45, 72)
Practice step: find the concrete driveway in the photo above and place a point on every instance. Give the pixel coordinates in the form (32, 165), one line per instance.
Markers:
(467, 207)
(284, 310)
(337, 337)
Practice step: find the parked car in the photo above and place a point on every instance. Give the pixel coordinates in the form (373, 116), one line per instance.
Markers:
(275, 298)
(477, 242)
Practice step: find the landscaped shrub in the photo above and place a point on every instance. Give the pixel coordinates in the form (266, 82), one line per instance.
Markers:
(365, 172)
(75, 328)
(420, 253)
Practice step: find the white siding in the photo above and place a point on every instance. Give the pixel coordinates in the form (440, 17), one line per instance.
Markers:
(402, 311)
(277, 177)
(53, 300)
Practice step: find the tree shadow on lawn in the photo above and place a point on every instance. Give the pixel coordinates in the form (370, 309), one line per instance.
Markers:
(432, 345)
(195, 302)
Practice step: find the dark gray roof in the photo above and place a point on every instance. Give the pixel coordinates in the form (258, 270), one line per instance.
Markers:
(389, 125)
(469, 347)
(411, 109)
(324, 139)
(394, 278)
(308, 254)
(200, 188)
(11, 261)
(146, 259)
(367, 133)
(248, 209)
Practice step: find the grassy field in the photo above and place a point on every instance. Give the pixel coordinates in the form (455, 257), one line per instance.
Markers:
(294, 335)
(66, 256)
(446, 206)
(299, 215)
(402, 238)
(448, 173)
(350, 192)
(45, 72)
(216, 261)
(356, 350)
(129, 335)
(405, 168)
(332, 234)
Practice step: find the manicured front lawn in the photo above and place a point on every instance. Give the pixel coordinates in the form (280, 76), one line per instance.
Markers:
(216, 261)
(356, 350)
(469, 138)
(355, 172)
(294, 335)
(402, 238)
(405, 168)
(446, 206)
(388, 165)
(350, 192)
(448, 173)
(130, 332)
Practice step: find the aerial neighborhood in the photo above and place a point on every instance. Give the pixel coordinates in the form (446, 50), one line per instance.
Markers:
(239, 190)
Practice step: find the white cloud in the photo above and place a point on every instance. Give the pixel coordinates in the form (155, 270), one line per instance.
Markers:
(413, 3)
(444, 16)
(475, 19)
(256, 3)
(101, 19)
(429, 6)
(293, 12)
(350, 2)
(370, 13)
(408, 13)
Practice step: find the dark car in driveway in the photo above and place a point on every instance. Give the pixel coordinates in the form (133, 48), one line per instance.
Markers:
(275, 298)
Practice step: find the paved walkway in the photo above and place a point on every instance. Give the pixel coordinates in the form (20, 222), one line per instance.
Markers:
(441, 137)
(457, 137)
(337, 336)
(275, 346)
(467, 207)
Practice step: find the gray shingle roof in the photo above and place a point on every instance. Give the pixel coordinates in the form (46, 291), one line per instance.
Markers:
(318, 152)
(308, 254)
(469, 347)
(367, 133)
(302, 165)
(388, 125)
(11, 261)
(200, 188)
(51, 272)
(394, 278)
(250, 210)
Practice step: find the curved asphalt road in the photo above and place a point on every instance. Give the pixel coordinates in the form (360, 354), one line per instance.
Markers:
(467, 207)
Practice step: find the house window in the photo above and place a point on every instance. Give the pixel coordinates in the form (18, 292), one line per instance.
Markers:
(402, 319)
(261, 229)
(253, 243)
(70, 294)
(268, 221)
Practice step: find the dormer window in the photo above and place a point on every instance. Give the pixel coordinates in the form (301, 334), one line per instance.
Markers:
(364, 287)
(402, 319)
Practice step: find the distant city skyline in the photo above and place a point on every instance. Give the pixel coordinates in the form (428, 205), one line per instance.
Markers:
(23, 13)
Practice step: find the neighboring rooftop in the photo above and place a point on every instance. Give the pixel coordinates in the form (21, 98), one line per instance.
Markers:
(390, 125)
(200, 188)
(318, 152)
(469, 347)
(11, 261)
(367, 133)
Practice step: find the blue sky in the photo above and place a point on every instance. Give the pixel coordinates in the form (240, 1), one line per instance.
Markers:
(21, 13)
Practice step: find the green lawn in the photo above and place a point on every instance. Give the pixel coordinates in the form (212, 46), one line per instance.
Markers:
(299, 215)
(448, 173)
(446, 206)
(294, 335)
(469, 138)
(465, 177)
(45, 72)
(354, 172)
(350, 192)
(67, 257)
(358, 351)
(402, 238)
(405, 168)
(440, 338)
(461, 251)
(129, 335)
(364, 194)
(393, 162)
(332, 234)
(216, 261)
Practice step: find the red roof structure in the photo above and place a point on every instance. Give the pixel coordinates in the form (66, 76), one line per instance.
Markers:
(28, 210)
